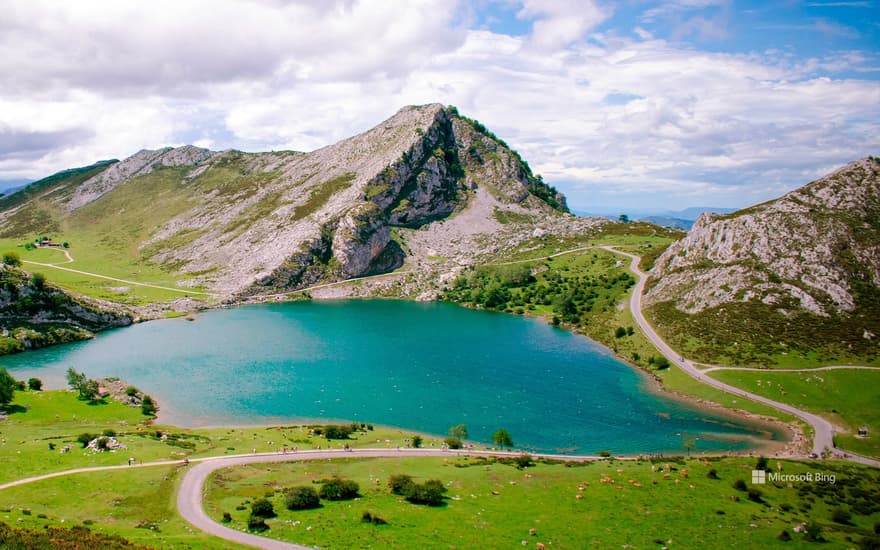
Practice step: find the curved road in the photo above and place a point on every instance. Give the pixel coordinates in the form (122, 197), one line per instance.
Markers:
(189, 496)
(823, 431)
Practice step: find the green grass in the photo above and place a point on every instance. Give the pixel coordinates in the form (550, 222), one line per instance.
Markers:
(493, 505)
(138, 504)
(37, 419)
(319, 195)
(848, 398)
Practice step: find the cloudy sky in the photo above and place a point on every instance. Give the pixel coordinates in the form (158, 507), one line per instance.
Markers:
(626, 106)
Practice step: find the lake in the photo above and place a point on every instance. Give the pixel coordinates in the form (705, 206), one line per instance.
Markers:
(419, 366)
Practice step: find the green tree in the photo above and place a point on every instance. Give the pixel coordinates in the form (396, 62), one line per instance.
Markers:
(417, 441)
(459, 431)
(35, 384)
(620, 332)
(430, 492)
(148, 406)
(623, 218)
(256, 523)
(661, 363)
(88, 389)
(453, 442)
(11, 258)
(8, 385)
(689, 444)
(502, 438)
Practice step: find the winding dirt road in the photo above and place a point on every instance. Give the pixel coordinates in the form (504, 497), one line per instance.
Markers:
(823, 431)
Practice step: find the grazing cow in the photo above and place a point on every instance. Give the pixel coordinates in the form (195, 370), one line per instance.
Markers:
(532, 532)
(539, 546)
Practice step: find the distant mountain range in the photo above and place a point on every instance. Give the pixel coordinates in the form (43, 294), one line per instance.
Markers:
(679, 219)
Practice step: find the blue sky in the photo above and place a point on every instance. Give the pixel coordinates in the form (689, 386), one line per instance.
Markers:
(625, 106)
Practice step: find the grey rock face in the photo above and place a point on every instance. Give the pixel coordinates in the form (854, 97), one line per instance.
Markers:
(807, 246)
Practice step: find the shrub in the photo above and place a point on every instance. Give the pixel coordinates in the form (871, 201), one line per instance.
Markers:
(369, 517)
(301, 498)
(35, 384)
(604, 454)
(755, 496)
(85, 438)
(841, 515)
(661, 363)
(740, 485)
(11, 258)
(131, 391)
(453, 442)
(337, 432)
(148, 407)
(620, 332)
(761, 464)
(400, 484)
(109, 432)
(256, 523)
(812, 532)
(227, 517)
(712, 474)
(524, 461)
(430, 493)
(339, 489)
(417, 441)
(262, 508)
(784, 535)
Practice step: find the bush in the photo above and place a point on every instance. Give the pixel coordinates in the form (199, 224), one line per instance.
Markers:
(762, 463)
(256, 523)
(755, 496)
(109, 432)
(784, 535)
(35, 384)
(841, 515)
(337, 432)
(301, 498)
(227, 517)
(400, 484)
(131, 391)
(524, 461)
(453, 442)
(740, 485)
(430, 492)
(812, 532)
(417, 441)
(712, 474)
(339, 489)
(85, 438)
(661, 363)
(262, 508)
(620, 332)
(148, 407)
(369, 517)
(11, 258)
(604, 454)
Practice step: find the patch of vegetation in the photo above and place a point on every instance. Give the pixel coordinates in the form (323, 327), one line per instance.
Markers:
(320, 194)
(752, 333)
(58, 538)
(506, 217)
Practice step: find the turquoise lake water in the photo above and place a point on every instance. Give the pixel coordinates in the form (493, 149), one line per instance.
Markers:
(417, 366)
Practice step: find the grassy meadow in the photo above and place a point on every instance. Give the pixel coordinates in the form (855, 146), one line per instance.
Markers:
(850, 399)
(605, 504)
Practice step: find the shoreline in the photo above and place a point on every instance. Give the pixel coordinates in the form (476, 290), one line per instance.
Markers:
(759, 424)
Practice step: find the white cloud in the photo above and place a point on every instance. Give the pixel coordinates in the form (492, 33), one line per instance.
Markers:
(686, 126)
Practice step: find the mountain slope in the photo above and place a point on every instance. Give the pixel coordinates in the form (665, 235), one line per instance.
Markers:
(795, 274)
(246, 224)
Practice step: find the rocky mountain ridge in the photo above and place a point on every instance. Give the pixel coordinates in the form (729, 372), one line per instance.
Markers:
(248, 224)
(814, 252)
